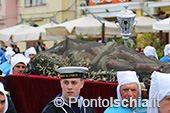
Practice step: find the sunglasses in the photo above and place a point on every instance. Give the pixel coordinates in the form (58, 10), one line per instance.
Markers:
(20, 66)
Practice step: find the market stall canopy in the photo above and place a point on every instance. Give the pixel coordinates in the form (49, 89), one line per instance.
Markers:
(83, 26)
(39, 33)
(7, 33)
(163, 25)
(144, 24)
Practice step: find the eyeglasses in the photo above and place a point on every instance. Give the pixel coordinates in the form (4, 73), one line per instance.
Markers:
(20, 66)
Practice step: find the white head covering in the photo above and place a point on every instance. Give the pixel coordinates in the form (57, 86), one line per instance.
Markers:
(8, 55)
(150, 51)
(9, 48)
(6, 100)
(167, 47)
(126, 77)
(29, 51)
(160, 87)
(17, 59)
(168, 51)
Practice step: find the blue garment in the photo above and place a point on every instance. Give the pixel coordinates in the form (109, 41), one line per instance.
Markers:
(3, 59)
(125, 109)
(51, 107)
(1, 52)
(5, 68)
(165, 59)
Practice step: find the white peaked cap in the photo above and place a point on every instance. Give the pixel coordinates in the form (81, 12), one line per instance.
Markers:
(8, 55)
(166, 49)
(150, 51)
(6, 100)
(71, 72)
(29, 51)
(126, 77)
(160, 87)
(71, 69)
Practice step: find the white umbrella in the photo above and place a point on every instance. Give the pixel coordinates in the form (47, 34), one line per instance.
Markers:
(36, 33)
(83, 26)
(7, 33)
(163, 25)
(144, 24)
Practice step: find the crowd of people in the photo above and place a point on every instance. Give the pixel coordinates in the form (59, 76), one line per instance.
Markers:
(150, 51)
(15, 62)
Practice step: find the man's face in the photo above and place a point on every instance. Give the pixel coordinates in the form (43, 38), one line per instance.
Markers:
(31, 55)
(137, 49)
(19, 68)
(71, 87)
(164, 105)
(168, 55)
(129, 90)
(2, 103)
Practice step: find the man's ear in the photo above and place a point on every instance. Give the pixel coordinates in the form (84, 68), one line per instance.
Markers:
(82, 83)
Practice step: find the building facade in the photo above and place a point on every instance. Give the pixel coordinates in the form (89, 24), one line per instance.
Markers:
(110, 8)
(40, 12)
(8, 13)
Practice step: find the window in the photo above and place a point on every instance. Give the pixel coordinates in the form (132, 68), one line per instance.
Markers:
(33, 3)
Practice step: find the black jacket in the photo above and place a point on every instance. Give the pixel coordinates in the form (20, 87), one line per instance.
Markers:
(51, 108)
(11, 107)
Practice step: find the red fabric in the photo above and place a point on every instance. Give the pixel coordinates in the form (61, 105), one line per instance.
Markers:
(31, 93)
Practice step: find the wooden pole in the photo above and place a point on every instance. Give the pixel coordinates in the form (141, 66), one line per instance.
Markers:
(103, 32)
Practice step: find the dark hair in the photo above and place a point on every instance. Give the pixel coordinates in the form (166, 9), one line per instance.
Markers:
(1, 93)
(139, 49)
(18, 50)
(39, 43)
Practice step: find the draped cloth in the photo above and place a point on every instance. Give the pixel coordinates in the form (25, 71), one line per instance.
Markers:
(31, 93)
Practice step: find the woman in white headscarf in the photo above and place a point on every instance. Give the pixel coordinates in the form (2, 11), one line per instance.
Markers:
(7, 105)
(150, 52)
(30, 53)
(18, 64)
(2, 93)
(159, 90)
